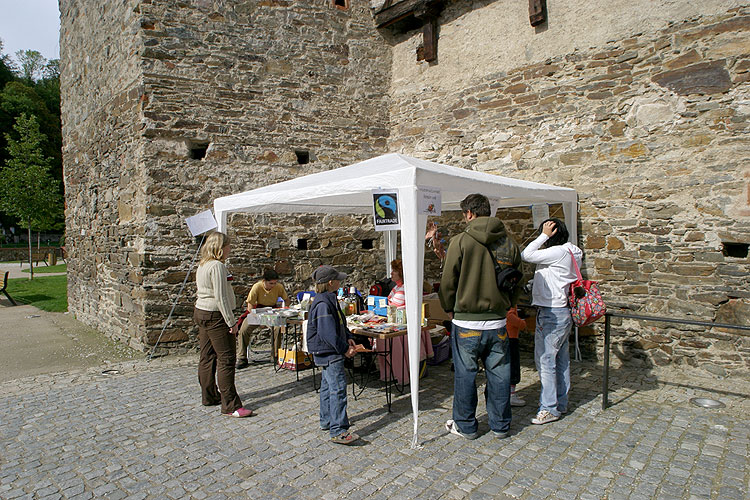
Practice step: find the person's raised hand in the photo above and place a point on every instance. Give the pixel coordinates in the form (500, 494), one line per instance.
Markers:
(549, 228)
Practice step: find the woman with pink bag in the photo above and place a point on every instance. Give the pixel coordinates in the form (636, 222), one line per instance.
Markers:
(551, 252)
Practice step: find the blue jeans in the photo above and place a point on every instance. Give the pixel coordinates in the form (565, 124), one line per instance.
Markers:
(333, 398)
(552, 357)
(491, 346)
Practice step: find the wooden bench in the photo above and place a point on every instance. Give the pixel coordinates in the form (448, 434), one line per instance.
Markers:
(5, 289)
(36, 257)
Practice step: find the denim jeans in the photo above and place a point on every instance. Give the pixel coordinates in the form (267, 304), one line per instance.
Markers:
(491, 346)
(333, 398)
(552, 357)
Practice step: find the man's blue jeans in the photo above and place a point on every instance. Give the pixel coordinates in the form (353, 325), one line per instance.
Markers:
(552, 357)
(491, 346)
(333, 398)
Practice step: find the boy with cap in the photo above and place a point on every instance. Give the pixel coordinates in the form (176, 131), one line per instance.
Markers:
(329, 341)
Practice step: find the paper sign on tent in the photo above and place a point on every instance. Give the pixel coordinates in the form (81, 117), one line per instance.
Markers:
(429, 200)
(201, 223)
(540, 213)
(385, 210)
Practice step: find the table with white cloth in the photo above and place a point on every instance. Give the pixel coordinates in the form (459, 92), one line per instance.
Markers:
(289, 324)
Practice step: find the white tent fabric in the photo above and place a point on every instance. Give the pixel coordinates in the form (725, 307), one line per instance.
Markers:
(348, 190)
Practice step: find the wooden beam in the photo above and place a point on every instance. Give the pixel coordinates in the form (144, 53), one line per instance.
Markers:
(392, 13)
(537, 12)
(429, 39)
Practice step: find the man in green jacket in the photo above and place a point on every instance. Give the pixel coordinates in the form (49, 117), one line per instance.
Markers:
(469, 292)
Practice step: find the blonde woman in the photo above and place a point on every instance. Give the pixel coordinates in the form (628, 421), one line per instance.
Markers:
(216, 338)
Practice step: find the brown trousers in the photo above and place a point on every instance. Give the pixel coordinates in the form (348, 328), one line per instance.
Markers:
(216, 363)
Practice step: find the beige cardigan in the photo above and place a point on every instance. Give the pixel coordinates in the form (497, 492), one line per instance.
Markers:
(214, 291)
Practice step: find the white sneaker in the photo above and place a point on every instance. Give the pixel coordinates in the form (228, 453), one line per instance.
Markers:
(544, 417)
(515, 400)
(450, 426)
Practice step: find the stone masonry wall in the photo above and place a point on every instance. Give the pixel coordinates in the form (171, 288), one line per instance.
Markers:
(640, 105)
(644, 110)
(233, 95)
(102, 95)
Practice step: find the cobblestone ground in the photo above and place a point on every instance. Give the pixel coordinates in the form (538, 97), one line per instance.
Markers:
(143, 434)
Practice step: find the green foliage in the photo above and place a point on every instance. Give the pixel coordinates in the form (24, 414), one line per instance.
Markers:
(32, 64)
(48, 293)
(33, 89)
(27, 190)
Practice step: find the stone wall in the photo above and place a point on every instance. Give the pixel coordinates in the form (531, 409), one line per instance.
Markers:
(225, 96)
(102, 99)
(643, 108)
(640, 105)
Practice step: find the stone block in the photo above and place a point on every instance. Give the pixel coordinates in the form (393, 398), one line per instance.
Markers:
(686, 59)
(614, 243)
(595, 242)
(703, 78)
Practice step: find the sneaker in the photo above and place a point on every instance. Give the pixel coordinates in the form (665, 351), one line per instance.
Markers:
(345, 438)
(240, 413)
(451, 427)
(241, 363)
(563, 411)
(501, 435)
(544, 417)
(515, 400)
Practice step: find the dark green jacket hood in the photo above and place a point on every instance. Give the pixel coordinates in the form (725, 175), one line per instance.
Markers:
(468, 287)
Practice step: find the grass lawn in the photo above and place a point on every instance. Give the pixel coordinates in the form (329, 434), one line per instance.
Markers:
(48, 293)
(42, 269)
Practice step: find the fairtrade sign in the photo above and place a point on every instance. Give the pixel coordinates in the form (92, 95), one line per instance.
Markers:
(385, 210)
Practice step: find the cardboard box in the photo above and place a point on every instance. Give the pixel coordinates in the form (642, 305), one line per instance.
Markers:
(294, 360)
(434, 310)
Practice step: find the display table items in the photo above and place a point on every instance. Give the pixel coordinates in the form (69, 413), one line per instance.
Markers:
(391, 347)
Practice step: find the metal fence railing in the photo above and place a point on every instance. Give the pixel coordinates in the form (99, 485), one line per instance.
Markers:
(607, 340)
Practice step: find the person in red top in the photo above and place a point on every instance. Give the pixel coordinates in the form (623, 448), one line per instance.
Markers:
(514, 324)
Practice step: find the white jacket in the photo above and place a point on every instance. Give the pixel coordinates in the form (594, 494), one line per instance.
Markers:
(554, 271)
(214, 291)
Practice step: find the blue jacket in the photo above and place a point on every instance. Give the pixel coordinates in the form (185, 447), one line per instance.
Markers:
(327, 333)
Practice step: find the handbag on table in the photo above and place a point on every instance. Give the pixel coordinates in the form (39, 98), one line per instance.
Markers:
(586, 303)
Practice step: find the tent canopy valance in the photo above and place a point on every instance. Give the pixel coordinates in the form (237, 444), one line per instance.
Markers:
(348, 190)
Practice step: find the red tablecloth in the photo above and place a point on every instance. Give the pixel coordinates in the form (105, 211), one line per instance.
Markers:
(399, 352)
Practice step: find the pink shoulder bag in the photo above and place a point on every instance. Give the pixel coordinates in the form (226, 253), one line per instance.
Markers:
(586, 303)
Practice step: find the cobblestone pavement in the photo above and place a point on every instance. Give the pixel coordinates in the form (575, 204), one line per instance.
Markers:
(143, 434)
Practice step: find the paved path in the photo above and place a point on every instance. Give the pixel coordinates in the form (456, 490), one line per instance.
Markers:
(36, 342)
(17, 271)
(143, 434)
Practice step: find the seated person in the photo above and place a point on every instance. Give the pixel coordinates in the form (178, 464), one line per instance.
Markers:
(397, 297)
(265, 293)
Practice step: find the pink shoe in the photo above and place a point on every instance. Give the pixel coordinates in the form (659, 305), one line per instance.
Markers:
(240, 413)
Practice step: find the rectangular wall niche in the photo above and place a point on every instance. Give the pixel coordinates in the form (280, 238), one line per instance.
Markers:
(301, 244)
(340, 4)
(367, 244)
(738, 250)
(197, 150)
(303, 157)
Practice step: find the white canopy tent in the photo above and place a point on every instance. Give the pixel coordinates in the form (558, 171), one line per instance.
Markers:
(348, 190)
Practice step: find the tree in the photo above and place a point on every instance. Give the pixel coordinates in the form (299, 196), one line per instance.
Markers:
(27, 190)
(6, 67)
(32, 64)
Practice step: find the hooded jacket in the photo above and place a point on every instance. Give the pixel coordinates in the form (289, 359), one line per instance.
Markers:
(468, 287)
(327, 334)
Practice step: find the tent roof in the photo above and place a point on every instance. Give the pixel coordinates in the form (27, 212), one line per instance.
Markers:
(347, 190)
